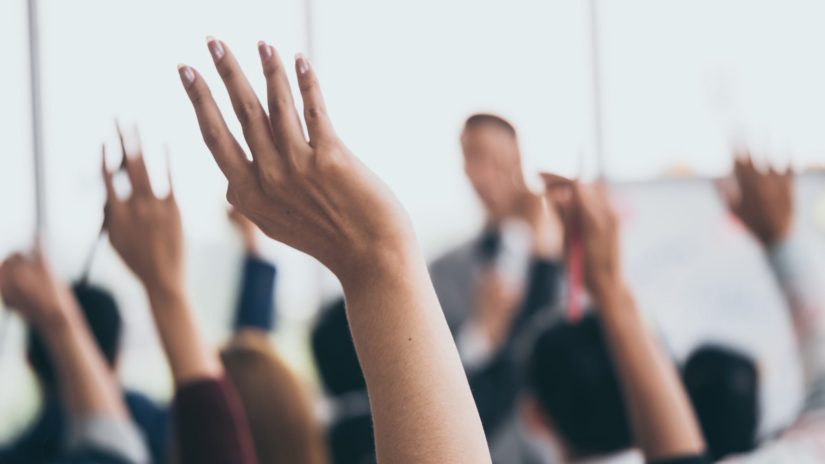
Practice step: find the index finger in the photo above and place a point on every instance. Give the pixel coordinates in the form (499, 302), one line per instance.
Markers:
(224, 148)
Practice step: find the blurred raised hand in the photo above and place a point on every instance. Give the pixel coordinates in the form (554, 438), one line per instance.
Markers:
(586, 210)
(28, 286)
(662, 419)
(313, 195)
(87, 385)
(762, 200)
(144, 229)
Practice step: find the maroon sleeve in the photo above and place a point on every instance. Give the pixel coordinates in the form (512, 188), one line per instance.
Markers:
(210, 424)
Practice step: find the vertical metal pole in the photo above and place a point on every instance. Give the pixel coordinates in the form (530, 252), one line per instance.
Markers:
(598, 124)
(37, 121)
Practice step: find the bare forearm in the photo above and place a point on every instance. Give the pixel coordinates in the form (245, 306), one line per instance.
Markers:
(87, 385)
(416, 383)
(189, 356)
(661, 416)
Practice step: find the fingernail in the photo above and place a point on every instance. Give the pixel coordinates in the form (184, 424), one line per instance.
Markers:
(187, 75)
(264, 50)
(215, 48)
(301, 64)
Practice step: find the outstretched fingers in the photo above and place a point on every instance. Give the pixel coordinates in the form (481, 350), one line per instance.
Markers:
(317, 121)
(283, 117)
(224, 148)
(135, 167)
(248, 109)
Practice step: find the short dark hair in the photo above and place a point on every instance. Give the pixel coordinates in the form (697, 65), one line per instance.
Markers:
(571, 375)
(723, 385)
(482, 119)
(334, 352)
(101, 313)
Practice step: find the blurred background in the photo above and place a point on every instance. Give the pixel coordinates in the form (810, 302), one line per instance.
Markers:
(680, 83)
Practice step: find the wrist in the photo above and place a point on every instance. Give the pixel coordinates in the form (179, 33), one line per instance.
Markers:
(607, 289)
(165, 292)
(377, 264)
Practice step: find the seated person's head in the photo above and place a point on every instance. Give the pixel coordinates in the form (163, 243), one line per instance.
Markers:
(334, 352)
(103, 319)
(723, 386)
(492, 163)
(575, 391)
(350, 435)
(279, 412)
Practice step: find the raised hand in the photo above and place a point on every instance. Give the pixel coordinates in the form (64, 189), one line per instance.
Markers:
(28, 285)
(313, 195)
(86, 383)
(586, 210)
(661, 417)
(145, 230)
(762, 200)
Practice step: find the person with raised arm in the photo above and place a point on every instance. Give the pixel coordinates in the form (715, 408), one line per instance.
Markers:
(99, 427)
(763, 202)
(146, 232)
(316, 196)
(661, 419)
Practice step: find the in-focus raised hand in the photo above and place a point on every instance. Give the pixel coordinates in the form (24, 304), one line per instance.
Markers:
(762, 200)
(145, 230)
(316, 196)
(313, 195)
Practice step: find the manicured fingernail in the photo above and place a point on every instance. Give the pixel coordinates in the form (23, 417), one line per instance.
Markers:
(301, 64)
(187, 75)
(215, 48)
(264, 50)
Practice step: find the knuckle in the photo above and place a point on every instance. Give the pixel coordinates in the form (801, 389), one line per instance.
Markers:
(211, 135)
(198, 95)
(248, 111)
(278, 105)
(226, 72)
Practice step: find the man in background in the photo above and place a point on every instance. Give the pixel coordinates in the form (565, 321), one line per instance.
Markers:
(483, 284)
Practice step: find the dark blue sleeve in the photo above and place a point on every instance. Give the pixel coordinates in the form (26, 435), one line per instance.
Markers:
(698, 459)
(89, 457)
(256, 308)
(154, 422)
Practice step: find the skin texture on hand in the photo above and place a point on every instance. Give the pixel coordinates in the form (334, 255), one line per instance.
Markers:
(662, 418)
(146, 232)
(317, 197)
(762, 200)
(87, 385)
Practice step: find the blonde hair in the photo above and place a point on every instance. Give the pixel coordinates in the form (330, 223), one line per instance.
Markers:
(279, 412)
